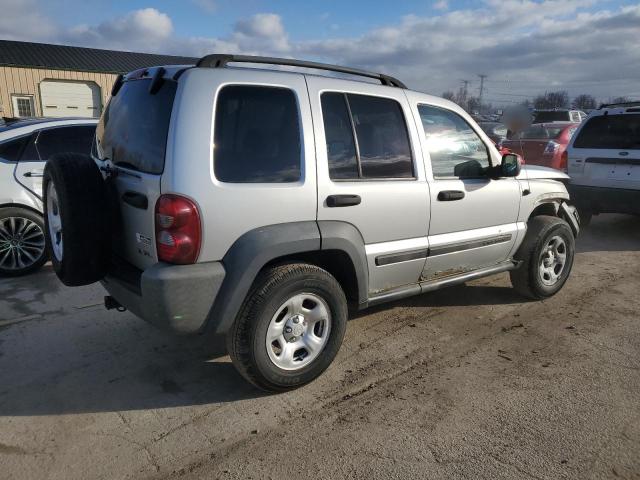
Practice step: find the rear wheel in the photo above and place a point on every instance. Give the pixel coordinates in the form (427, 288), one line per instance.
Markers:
(290, 328)
(22, 247)
(546, 254)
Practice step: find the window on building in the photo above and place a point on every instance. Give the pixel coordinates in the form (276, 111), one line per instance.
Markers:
(257, 135)
(382, 149)
(23, 106)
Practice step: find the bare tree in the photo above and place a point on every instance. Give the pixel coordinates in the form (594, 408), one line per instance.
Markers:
(620, 100)
(559, 99)
(449, 95)
(584, 102)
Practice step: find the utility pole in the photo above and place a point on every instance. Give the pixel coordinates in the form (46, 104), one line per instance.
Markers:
(482, 77)
(462, 94)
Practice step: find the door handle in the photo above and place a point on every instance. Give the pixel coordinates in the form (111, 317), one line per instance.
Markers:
(135, 199)
(33, 174)
(343, 200)
(450, 195)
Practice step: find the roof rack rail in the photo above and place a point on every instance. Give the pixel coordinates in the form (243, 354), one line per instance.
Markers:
(635, 103)
(221, 60)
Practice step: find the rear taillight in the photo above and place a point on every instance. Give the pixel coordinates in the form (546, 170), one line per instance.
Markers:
(178, 231)
(551, 148)
(564, 160)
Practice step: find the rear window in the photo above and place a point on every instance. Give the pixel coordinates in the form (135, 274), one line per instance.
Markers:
(133, 129)
(538, 132)
(380, 148)
(257, 135)
(11, 149)
(542, 117)
(618, 132)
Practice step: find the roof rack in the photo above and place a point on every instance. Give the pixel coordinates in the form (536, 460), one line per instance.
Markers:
(622, 104)
(221, 60)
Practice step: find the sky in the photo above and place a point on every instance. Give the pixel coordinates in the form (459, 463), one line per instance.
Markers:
(525, 47)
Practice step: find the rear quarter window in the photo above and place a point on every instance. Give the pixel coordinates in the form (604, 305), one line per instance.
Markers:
(257, 135)
(617, 132)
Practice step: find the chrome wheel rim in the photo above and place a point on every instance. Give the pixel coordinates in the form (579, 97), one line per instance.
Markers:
(55, 221)
(298, 332)
(553, 260)
(21, 243)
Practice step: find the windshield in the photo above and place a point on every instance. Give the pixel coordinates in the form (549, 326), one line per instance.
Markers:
(619, 132)
(132, 132)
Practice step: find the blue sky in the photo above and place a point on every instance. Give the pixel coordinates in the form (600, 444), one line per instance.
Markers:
(525, 46)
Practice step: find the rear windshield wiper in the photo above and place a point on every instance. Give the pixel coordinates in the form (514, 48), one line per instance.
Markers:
(125, 164)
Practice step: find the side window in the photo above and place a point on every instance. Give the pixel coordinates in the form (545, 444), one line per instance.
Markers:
(382, 149)
(257, 135)
(455, 148)
(65, 139)
(11, 150)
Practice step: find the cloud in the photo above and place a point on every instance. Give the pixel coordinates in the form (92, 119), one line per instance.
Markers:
(21, 16)
(524, 46)
(208, 6)
(441, 5)
(141, 29)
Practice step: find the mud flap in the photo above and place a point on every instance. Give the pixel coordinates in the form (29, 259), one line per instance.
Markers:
(570, 214)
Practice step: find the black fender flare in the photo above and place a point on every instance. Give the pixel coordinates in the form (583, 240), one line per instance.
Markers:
(256, 248)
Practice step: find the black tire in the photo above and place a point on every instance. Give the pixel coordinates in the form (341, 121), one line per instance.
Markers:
(247, 337)
(83, 208)
(29, 227)
(527, 279)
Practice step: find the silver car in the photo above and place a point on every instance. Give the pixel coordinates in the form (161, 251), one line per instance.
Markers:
(262, 203)
(25, 145)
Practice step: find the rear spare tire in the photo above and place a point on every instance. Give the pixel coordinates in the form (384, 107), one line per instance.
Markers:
(76, 213)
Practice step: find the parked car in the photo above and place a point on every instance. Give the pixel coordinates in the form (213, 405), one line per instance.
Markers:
(543, 144)
(548, 116)
(25, 146)
(495, 131)
(604, 161)
(260, 203)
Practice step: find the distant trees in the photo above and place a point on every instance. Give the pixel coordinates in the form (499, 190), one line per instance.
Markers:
(469, 104)
(584, 102)
(449, 95)
(550, 100)
(620, 100)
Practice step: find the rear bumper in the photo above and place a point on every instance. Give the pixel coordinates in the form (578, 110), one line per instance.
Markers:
(605, 200)
(173, 297)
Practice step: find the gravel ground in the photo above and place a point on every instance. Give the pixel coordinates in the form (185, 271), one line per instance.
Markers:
(468, 382)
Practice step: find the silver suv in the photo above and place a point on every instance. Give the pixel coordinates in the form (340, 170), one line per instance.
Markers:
(261, 203)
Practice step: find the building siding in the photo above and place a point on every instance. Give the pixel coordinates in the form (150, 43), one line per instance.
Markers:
(26, 81)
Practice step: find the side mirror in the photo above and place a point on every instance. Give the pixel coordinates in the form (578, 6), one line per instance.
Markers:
(511, 165)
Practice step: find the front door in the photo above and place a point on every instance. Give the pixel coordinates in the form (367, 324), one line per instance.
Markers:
(473, 217)
(370, 175)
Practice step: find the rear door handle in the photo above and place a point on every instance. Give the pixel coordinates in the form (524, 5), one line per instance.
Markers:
(33, 174)
(450, 195)
(343, 200)
(135, 199)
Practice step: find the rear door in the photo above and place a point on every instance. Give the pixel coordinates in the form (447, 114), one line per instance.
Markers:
(44, 144)
(368, 154)
(606, 152)
(131, 138)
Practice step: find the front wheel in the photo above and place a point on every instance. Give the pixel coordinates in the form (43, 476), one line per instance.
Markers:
(546, 254)
(22, 247)
(290, 328)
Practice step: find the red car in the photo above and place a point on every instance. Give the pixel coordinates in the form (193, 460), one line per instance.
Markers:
(543, 144)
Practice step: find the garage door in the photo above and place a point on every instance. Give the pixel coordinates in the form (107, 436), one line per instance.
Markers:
(70, 99)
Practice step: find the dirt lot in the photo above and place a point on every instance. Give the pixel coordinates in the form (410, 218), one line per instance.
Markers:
(469, 382)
